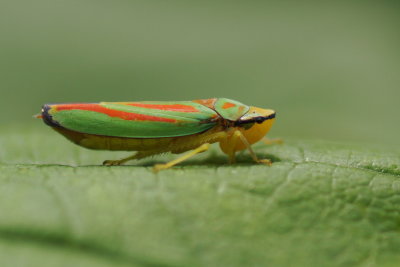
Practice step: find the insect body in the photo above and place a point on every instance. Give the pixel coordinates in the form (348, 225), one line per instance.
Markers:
(151, 128)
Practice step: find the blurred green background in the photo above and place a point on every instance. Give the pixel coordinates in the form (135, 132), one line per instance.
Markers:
(330, 69)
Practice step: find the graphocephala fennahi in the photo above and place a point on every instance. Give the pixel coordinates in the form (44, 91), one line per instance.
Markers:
(152, 127)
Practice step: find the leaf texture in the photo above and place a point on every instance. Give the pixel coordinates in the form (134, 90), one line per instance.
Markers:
(319, 204)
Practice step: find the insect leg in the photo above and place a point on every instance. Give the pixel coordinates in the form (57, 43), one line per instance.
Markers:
(202, 148)
(137, 155)
(232, 142)
(252, 154)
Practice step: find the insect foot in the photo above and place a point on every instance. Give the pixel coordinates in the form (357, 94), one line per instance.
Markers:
(112, 163)
(265, 161)
(160, 167)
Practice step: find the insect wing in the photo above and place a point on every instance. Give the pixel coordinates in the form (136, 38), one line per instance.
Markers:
(230, 109)
(132, 119)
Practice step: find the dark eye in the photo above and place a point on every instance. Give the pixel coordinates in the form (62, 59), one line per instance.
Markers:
(259, 119)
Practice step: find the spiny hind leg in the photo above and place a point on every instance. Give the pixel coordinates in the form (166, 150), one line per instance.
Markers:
(200, 149)
(251, 151)
(137, 155)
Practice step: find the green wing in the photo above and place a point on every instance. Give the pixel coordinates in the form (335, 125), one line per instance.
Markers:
(230, 109)
(132, 119)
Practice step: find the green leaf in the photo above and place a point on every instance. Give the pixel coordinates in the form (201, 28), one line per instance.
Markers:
(319, 204)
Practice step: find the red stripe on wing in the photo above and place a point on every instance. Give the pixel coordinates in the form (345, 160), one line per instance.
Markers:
(112, 113)
(228, 105)
(172, 107)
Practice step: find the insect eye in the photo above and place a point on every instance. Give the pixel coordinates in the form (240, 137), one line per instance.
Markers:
(247, 126)
(259, 119)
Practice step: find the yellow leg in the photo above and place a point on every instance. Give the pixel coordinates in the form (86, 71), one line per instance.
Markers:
(268, 141)
(233, 141)
(252, 154)
(138, 155)
(202, 148)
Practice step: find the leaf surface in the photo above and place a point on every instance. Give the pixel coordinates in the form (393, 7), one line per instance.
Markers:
(319, 204)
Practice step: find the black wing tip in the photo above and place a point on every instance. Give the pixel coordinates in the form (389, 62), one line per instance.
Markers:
(47, 118)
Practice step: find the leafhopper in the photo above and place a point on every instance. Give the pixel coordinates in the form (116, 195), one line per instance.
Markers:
(155, 127)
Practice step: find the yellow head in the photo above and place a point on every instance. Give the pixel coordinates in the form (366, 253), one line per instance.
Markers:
(254, 125)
